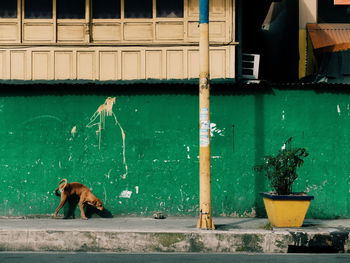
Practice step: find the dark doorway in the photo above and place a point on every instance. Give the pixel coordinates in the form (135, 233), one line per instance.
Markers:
(277, 44)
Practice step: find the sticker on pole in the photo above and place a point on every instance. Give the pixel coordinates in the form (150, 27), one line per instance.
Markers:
(204, 134)
(204, 114)
(204, 127)
(204, 140)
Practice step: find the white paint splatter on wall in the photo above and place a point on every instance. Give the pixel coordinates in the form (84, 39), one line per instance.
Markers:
(214, 130)
(74, 131)
(188, 151)
(318, 187)
(99, 119)
(106, 109)
(125, 194)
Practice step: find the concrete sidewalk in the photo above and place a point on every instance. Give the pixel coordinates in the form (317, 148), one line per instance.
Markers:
(173, 234)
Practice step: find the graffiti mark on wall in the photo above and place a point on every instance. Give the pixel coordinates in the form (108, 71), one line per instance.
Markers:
(99, 119)
(42, 117)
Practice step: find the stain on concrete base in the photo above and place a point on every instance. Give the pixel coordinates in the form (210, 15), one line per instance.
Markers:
(197, 241)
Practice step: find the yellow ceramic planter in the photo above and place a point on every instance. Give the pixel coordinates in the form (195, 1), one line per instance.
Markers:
(286, 210)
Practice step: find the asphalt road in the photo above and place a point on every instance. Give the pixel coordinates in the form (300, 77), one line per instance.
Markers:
(16, 257)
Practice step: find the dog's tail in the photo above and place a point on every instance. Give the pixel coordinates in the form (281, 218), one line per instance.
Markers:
(61, 185)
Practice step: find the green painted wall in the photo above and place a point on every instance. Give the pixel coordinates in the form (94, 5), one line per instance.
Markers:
(45, 138)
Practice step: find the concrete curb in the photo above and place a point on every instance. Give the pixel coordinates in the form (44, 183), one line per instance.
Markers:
(203, 241)
(147, 235)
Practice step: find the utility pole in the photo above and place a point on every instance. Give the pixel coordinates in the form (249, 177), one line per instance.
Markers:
(205, 220)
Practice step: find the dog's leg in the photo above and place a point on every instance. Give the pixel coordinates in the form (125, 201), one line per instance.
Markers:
(82, 212)
(62, 202)
(72, 204)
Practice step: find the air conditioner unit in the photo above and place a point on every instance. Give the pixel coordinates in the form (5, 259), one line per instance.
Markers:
(250, 66)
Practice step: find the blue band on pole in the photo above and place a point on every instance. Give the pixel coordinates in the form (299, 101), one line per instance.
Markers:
(204, 11)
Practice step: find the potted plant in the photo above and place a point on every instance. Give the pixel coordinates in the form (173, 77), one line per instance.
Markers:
(284, 207)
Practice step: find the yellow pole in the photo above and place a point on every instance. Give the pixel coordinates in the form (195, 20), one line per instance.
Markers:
(205, 220)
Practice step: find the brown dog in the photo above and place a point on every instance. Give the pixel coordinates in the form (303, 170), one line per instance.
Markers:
(85, 196)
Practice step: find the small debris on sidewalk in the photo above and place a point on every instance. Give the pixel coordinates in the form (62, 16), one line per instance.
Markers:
(159, 215)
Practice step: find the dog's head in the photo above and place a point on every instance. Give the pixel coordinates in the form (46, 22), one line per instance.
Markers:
(96, 203)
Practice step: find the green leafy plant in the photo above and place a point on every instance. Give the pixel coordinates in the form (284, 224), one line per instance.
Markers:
(281, 169)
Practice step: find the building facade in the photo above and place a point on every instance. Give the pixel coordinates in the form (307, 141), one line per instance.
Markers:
(112, 39)
(324, 39)
(136, 146)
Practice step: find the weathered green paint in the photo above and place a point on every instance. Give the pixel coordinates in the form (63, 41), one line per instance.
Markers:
(161, 147)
